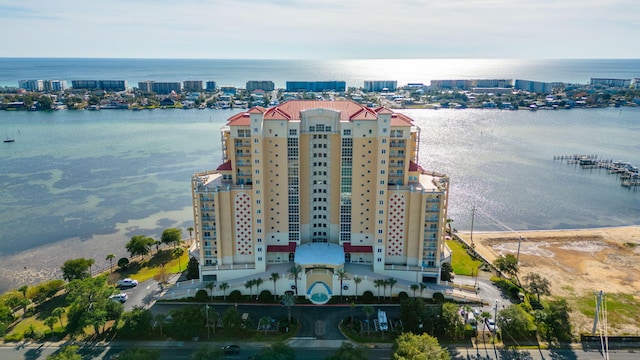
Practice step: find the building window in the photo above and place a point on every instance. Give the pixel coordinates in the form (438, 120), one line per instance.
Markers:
(293, 132)
(346, 132)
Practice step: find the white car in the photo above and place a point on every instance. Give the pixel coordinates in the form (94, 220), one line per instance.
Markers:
(121, 298)
(125, 283)
(491, 325)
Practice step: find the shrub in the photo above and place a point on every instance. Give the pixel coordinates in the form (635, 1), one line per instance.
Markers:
(438, 297)
(403, 296)
(202, 295)
(235, 295)
(367, 296)
(265, 296)
(15, 337)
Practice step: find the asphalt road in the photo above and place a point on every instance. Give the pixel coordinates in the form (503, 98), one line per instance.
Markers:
(36, 352)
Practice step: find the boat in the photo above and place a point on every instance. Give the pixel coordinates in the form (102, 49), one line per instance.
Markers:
(9, 140)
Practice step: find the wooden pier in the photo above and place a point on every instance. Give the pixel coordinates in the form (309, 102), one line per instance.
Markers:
(628, 175)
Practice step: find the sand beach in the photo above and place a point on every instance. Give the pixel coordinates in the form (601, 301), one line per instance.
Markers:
(576, 262)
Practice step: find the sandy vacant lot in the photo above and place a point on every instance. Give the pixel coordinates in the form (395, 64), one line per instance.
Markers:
(576, 262)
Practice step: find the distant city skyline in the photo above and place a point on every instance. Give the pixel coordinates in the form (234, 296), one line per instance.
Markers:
(328, 29)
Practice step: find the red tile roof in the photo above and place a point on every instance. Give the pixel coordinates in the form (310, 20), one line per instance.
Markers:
(348, 248)
(291, 110)
(415, 167)
(240, 119)
(282, 248)
(401, 120)
(225, 166)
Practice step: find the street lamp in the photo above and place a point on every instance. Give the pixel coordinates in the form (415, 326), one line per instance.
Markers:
(207, 312)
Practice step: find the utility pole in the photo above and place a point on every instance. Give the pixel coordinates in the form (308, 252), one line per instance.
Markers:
(518, 256)
(473, 215)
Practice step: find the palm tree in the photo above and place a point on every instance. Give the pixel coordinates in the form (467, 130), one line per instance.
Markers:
(210, 286)
(295, 271)
(249, 285)
(190, 230)
(274, 277)
(25, 302)
(378, 284)
(257, 282)
(368, 311)
(385, 282)
(178, 252)
(224, 286)
(160, 320)
(110, 258)
(57, 312)
(357, 281)
(449, 221)
(90, 262)
(415, 288)
(342, 275)
(391, 282)
(422, 287)
(50, 321)
(288, 300)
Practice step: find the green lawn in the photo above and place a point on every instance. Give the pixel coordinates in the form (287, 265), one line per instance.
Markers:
(141, 271)
(461, 262)
(621, 308)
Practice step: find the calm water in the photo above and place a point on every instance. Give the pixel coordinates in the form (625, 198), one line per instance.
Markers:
(354, 72)
(81, 183)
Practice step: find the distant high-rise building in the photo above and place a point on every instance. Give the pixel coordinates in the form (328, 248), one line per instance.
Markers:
(145, 86)
(55, 85)
(192, 85)
(260, 85)
(106, 85)
(533, 86)
(211, 86)
(380, 85)
(611, 82)
(165, 87)
(31, 85)
(325, 186)
(315, 86)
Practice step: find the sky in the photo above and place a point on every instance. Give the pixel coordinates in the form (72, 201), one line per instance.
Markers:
(321, 29)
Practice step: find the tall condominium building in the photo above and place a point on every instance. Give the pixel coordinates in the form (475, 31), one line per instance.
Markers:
(211, 86)
(31, 85)
(316, 86)
(533, 86)
(380, 85)
(107, 85)
(260, 85)
(611, 82)
(330, 191)
(192, 85)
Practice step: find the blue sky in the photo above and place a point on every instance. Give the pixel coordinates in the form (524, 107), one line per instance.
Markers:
(321, 29)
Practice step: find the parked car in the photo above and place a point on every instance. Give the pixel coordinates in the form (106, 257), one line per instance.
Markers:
(127, 283)
(121, 298)
(231, 349)
(491, 325)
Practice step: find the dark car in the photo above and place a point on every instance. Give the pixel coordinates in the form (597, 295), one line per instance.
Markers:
(231, 349)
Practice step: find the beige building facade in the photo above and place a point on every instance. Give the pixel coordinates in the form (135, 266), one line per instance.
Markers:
(330, 187)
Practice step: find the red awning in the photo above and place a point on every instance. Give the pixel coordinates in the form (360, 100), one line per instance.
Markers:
(348, 248)
(282, 248)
